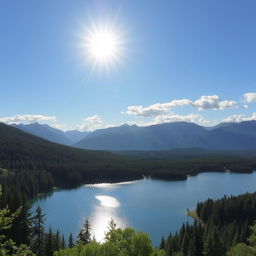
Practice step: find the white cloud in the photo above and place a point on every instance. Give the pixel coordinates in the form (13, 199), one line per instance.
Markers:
(169, 118)
(250, 97)
(213, 102)
(26, 119)
(62, 127)
(203, 103)
(156, 109)
(240, 118)
(90, 123)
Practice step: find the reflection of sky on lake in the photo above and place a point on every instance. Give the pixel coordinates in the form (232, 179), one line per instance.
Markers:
(103, 212)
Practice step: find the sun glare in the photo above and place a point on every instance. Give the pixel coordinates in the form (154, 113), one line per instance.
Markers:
(102, 46)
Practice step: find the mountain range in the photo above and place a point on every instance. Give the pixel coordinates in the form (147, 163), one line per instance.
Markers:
(52, 134)
(225, 136)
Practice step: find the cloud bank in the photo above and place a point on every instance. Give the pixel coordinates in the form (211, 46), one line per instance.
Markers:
(195, 118)
(203, 103)
(240, 118)
(26, 119)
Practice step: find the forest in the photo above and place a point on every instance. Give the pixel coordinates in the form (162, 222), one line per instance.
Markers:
(219, 225)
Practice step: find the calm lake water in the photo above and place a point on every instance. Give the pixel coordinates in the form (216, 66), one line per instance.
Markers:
(154, 206)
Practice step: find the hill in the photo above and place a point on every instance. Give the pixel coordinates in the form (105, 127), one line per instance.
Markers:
(22, 151)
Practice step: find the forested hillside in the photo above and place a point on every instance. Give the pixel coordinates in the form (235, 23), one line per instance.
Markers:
(220, 225)
(67, 165)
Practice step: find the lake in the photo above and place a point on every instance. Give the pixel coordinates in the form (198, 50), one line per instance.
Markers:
(153, 206)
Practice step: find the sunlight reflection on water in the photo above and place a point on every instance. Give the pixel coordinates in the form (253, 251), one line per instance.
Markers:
(103, 213)
(110, 185)
(108, 201)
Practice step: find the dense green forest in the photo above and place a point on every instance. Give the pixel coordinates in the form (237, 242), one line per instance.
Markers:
(67, 166)
(220, 225)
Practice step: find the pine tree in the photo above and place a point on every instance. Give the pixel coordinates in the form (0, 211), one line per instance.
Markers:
(169, 245)
(162, 243)
(70, 241)
(63, 243)
(192, 247)
(49, 243)
(7, 246)
(57, 241)
(185, 243)
(85, 233)
(37, 242)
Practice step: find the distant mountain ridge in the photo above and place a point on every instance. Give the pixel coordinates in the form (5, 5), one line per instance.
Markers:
(52, 134)
(226, 136)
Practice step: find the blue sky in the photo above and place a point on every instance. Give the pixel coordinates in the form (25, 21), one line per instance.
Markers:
(196, 59)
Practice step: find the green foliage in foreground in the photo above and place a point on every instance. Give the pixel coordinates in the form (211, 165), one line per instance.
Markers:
(118, 242)
(243, 249)
(7, 246)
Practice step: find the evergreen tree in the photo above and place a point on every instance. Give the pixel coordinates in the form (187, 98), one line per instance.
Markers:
(7, 246)
(49, 249)
(71, 241)
(23, 228)
(38, 241)
(192, 247)
(209, 249)
(57, 241)
(63, 243)
(162, 243)
(84, 235)
(185, 243)
(169, 245)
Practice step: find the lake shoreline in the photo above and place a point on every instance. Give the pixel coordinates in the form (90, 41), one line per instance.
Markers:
(140, 204)
(120, 181)
(177, 178)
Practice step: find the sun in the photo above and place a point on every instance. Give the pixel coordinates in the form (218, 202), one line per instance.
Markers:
(102, 46)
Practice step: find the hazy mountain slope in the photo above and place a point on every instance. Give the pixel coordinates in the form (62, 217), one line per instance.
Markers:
(114, 130)
(226, 140)
(75, 136)
(247, 127)
(156, 137)
(46, 132)
(233, 136)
